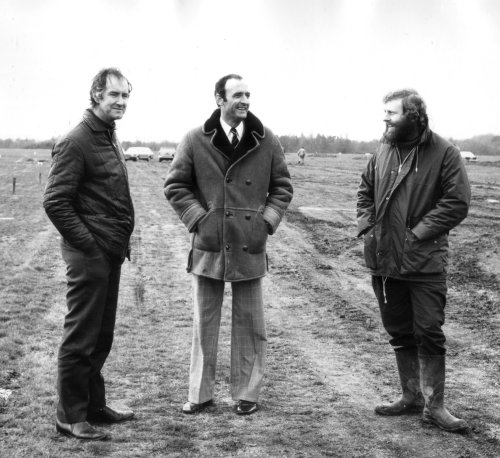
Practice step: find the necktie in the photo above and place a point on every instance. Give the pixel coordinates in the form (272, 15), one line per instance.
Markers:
(234, 139)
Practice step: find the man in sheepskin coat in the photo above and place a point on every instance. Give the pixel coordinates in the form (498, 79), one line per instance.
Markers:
(230, 186)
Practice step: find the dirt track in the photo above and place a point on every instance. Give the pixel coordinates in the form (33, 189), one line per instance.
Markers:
(329, 361)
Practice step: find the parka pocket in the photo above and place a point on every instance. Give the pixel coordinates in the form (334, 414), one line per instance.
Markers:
(424, 256)
(207, 236)
(370, 248)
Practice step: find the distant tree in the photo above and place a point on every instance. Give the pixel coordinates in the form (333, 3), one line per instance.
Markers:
(326, 145)
(480, 145)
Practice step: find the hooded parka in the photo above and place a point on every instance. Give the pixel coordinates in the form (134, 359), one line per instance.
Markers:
(230, 200)
(405, 210)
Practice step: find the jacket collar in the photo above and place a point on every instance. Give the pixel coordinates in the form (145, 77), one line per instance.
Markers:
(96, 123)
(254, 130)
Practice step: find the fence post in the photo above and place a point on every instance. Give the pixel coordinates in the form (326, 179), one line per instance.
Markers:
(40, 178)
(14, 185)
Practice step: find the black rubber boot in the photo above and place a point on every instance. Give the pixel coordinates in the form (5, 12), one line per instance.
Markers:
(432, 376)
(411, 401)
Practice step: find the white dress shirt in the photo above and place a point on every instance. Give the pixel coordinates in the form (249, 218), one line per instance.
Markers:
(227, 129)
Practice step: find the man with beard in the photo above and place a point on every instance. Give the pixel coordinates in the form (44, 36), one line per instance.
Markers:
(413, 191)
(230, 186)
(87, 198)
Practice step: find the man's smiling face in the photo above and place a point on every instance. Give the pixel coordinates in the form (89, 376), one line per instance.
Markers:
(112, 102)
(398, 127)
(234, 108)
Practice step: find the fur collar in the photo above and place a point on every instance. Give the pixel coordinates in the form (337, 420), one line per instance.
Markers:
(254, 130)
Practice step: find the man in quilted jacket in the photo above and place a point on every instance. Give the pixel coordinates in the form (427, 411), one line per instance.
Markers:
(87, 198)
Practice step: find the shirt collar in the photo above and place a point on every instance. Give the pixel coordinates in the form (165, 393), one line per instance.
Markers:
(227, 129)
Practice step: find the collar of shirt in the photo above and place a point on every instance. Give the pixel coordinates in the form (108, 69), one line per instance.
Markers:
(227, 129)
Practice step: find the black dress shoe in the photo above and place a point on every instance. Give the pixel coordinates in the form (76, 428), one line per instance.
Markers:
(109, 415)
(81, 430)
(245, 407)
(191, 407)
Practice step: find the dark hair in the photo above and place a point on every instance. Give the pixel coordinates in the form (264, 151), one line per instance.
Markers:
(413, 105)
(220, 86)
(99, 83)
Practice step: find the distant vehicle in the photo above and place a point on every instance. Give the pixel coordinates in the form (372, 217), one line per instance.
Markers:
(143, 153)
(468, 156)
(130, 154)
(166, 153)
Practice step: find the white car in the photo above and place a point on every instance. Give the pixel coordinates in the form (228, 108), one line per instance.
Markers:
(468, 156)
(166, 153)
(142, 153)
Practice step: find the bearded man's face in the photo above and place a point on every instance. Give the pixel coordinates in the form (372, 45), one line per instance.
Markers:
(398, 127)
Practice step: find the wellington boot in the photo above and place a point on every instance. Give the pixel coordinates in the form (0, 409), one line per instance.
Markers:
(432, 376)
(411, 401)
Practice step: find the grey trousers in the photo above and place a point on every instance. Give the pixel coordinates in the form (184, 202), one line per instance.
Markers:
(248, 339)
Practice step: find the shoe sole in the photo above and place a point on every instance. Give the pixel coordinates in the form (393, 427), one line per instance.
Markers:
(69, 434)
(394, 413)
(431, 421)
(198, 410)
(249, 412)
(109, 422)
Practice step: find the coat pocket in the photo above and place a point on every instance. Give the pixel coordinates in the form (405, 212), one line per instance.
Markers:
(370, 248)
(259, 235)
(424, 256)
(207, 236)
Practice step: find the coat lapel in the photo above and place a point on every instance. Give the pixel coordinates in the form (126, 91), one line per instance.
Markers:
(253, 130)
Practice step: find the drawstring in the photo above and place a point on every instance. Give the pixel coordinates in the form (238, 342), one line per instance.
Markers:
(384, 279)
(401, 162)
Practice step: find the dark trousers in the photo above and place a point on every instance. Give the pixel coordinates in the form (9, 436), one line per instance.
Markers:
(413, 313)
(92, 297)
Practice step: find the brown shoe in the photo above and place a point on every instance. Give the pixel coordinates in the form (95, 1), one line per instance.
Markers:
(109, 415)
(190, 407)
(245, 407)
(81, 430)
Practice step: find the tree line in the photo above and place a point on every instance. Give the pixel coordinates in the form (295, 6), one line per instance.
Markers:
(481, 145)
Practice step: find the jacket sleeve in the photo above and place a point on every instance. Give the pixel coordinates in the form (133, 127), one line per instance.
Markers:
(453, 204)
(365, 199)
(280, 188)
(179, 186)
(65, 176)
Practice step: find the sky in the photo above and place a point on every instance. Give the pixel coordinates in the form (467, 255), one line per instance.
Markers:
(312, 66)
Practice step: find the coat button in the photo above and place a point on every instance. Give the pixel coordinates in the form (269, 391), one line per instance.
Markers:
(245, 248)
(248, 182)
(228, 213)
(247, 216)
(228, 246)
(228, 179)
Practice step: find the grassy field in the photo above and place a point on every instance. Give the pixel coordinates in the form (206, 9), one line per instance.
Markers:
(329, 361)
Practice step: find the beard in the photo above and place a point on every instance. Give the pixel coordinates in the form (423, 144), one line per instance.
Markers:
(402, 131)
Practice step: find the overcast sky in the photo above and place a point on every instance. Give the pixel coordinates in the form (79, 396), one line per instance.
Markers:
(312, 66)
